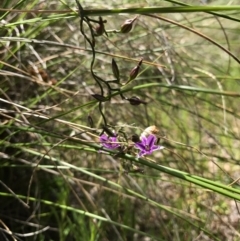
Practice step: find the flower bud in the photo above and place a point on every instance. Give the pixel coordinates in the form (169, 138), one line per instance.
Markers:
(136, 101)
(134, 71)
(115, 69)
(127, 25)
(90, 121)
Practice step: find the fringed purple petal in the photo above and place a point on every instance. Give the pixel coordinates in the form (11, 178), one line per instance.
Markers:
(151, 141)
(109, 142)
(103, 138)
(144, 140)
(141, 153)
(140, 145)
(113, 139)
(147, 145)
(109, 146)
(154, 148)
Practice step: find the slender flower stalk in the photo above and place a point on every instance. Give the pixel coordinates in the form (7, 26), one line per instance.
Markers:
(147, 145)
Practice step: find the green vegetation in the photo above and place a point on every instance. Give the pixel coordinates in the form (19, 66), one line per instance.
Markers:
(67, 76)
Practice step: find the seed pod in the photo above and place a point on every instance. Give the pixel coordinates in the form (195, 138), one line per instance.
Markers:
(115, 69)
(127, 25)
(136, 101)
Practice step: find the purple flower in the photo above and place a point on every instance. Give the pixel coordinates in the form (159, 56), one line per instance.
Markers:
(147, 145)
(109, 142)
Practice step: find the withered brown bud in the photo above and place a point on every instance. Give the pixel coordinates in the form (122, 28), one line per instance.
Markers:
(135, 138)
(53, 81)
(115, 69)
(136, 101)
(127, 25)
(135, 70)
(100, 98)
(100, 29)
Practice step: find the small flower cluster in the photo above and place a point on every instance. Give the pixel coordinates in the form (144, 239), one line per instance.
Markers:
(146, 144)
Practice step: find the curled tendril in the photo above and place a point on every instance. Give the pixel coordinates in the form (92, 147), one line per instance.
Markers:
(91, 41)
